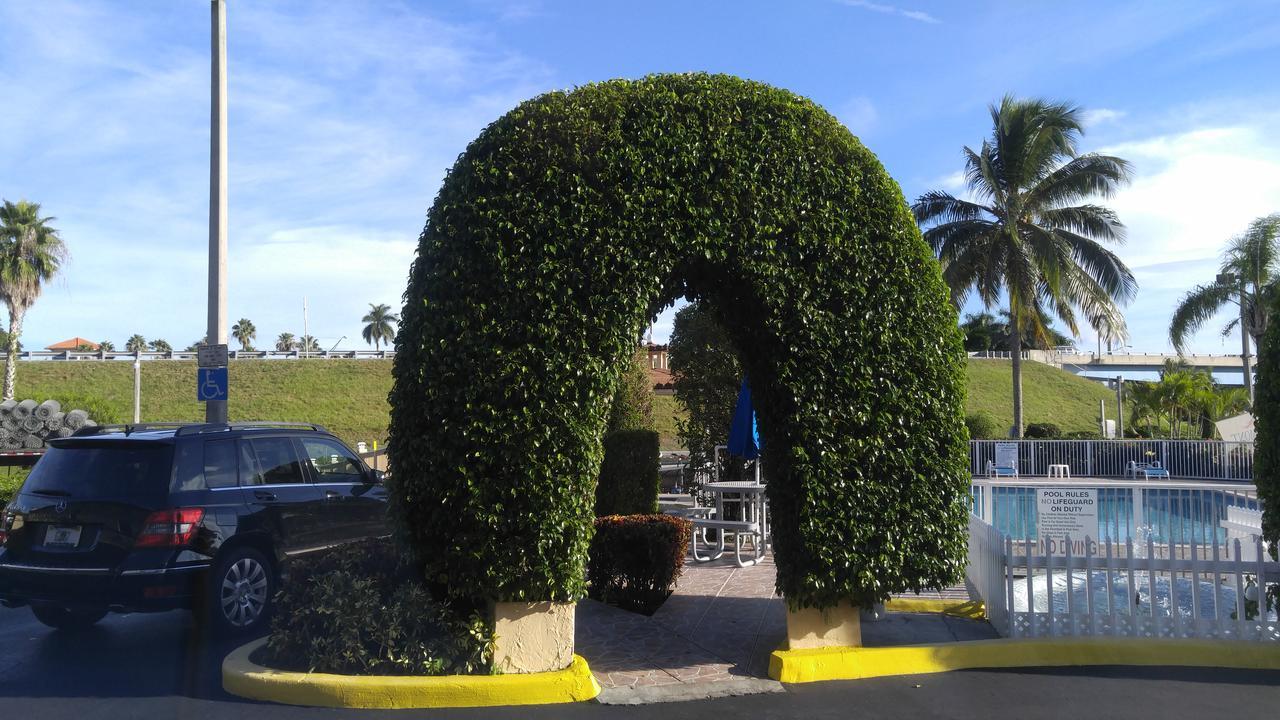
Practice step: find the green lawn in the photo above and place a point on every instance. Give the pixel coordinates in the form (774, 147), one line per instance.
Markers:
(350, 396)
(1048, 395)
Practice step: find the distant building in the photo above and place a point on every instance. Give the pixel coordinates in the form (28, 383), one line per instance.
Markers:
(659, 372)
(75, 343)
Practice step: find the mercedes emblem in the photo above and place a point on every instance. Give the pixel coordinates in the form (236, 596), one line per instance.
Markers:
(61, 507)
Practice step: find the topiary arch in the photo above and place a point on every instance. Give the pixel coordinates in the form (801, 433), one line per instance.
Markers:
(577, 216)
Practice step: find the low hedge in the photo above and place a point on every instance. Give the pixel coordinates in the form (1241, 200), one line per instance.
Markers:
(629, 481)
(635, 560)
(358, 610)
(983, 426)
(1043, 431)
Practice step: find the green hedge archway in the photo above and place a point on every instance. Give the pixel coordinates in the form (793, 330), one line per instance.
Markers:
(573, 219)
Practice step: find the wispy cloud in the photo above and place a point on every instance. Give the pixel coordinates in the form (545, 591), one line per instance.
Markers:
(1102, 116)
(858, 114)
(917, 15)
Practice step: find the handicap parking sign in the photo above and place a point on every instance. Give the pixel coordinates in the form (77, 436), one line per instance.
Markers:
(211, 384)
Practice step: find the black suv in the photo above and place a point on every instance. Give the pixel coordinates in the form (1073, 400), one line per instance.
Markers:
(141, 518)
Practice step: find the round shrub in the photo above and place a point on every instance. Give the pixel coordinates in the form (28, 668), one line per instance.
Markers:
(983, 426)
(1042, 431)
(569, 223)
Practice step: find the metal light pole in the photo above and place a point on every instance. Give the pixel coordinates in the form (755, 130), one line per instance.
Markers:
(137, 390)
(216, 410)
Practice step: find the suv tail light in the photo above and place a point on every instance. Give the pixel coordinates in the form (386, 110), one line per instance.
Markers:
(169, 528)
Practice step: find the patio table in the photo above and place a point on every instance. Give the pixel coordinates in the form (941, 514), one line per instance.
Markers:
(751, 496)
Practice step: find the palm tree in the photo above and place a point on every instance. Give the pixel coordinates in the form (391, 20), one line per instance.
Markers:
(1247, 279)
(380, 319)
(244, 332)
(31, 253)
(285, 342)
(107, 346)
(306, 343)
(135, 344)
(160, 346)
(1029, 234)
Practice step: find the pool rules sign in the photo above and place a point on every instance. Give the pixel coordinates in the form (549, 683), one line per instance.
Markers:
(1066, 512)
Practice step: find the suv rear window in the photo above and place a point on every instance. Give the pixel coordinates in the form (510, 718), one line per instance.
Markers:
(131, 471)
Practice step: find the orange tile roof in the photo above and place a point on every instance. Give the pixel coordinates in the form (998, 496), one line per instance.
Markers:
(72, 344)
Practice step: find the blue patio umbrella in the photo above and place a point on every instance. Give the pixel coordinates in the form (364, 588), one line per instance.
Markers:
(744, 436)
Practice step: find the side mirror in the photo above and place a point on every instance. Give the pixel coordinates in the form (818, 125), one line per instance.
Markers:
(377, 477)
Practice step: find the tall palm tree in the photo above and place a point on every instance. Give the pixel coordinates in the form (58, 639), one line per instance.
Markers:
(306, 343)
(31, 253)
(1029, 235)
(285, 342)
(379, 330)
(161, 346)
(135, 344)
(1246, 279)
(244, 332)
(107, 346)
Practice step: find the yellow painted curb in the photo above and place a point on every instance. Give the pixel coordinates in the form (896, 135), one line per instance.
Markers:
(847, 663)
(241, 676)
(974, 609)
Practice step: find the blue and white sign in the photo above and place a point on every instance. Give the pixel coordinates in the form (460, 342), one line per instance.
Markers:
(211, 384)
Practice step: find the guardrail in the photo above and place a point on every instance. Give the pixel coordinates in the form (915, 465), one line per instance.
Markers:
(190, 355)
(1189, 459)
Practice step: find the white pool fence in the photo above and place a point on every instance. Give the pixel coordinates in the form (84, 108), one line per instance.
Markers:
(1048, 587)
(1184, 459)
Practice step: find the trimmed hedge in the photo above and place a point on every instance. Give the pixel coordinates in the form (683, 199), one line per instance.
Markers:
(358, 610)
(571, 221)
(983, 426)
(1266, 413)
(629, 481)
(636, 559)
(1042, 431)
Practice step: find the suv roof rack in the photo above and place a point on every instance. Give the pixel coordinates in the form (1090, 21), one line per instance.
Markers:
(126, 428)
(199, 428)
(190, 428)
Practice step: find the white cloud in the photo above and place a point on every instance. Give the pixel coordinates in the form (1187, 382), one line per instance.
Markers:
(917, 15)
(858, 114)
(1101, 116)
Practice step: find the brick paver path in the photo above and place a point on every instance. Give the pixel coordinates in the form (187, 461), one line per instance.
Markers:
(721, 623)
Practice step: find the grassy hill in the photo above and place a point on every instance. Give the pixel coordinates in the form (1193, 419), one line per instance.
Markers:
(1048, 395)
(350, 396)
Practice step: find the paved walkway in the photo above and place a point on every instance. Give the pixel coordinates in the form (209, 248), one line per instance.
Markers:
(715, 633)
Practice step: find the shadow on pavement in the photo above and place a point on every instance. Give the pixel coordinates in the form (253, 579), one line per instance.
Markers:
(1219, 676)
(151, 655)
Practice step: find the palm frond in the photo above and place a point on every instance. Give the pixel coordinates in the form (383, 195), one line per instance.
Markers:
(1079, 179)
(1199, 305)
(1092, 221)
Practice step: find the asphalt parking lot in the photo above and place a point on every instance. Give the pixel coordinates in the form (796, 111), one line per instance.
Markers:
(149, 666)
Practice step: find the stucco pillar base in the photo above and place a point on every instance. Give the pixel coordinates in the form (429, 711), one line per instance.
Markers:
(836, 626)
(532, 637)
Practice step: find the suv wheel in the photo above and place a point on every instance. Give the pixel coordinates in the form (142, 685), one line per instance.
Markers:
(239, 594)
(66, 619)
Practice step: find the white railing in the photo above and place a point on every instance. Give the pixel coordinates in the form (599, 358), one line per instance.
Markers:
(190, 355)
(1178, 510)
(1080, 586)
(1187, 459)
(985, 573)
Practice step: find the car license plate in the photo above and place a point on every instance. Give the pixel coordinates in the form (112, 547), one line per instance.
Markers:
(62, 536)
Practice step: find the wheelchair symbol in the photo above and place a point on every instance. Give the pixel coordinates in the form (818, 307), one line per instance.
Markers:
(213, 384)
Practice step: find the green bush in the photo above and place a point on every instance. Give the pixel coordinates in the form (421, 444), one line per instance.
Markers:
(100, 411)
(629, 481)
(357, 610)
(635, 560)
(632, 407)
(575, 218)
(1042, 431)
(1081, 435)
(1266, 412)
(983, 426)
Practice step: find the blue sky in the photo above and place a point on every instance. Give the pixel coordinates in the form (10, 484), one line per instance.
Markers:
(344, 117)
